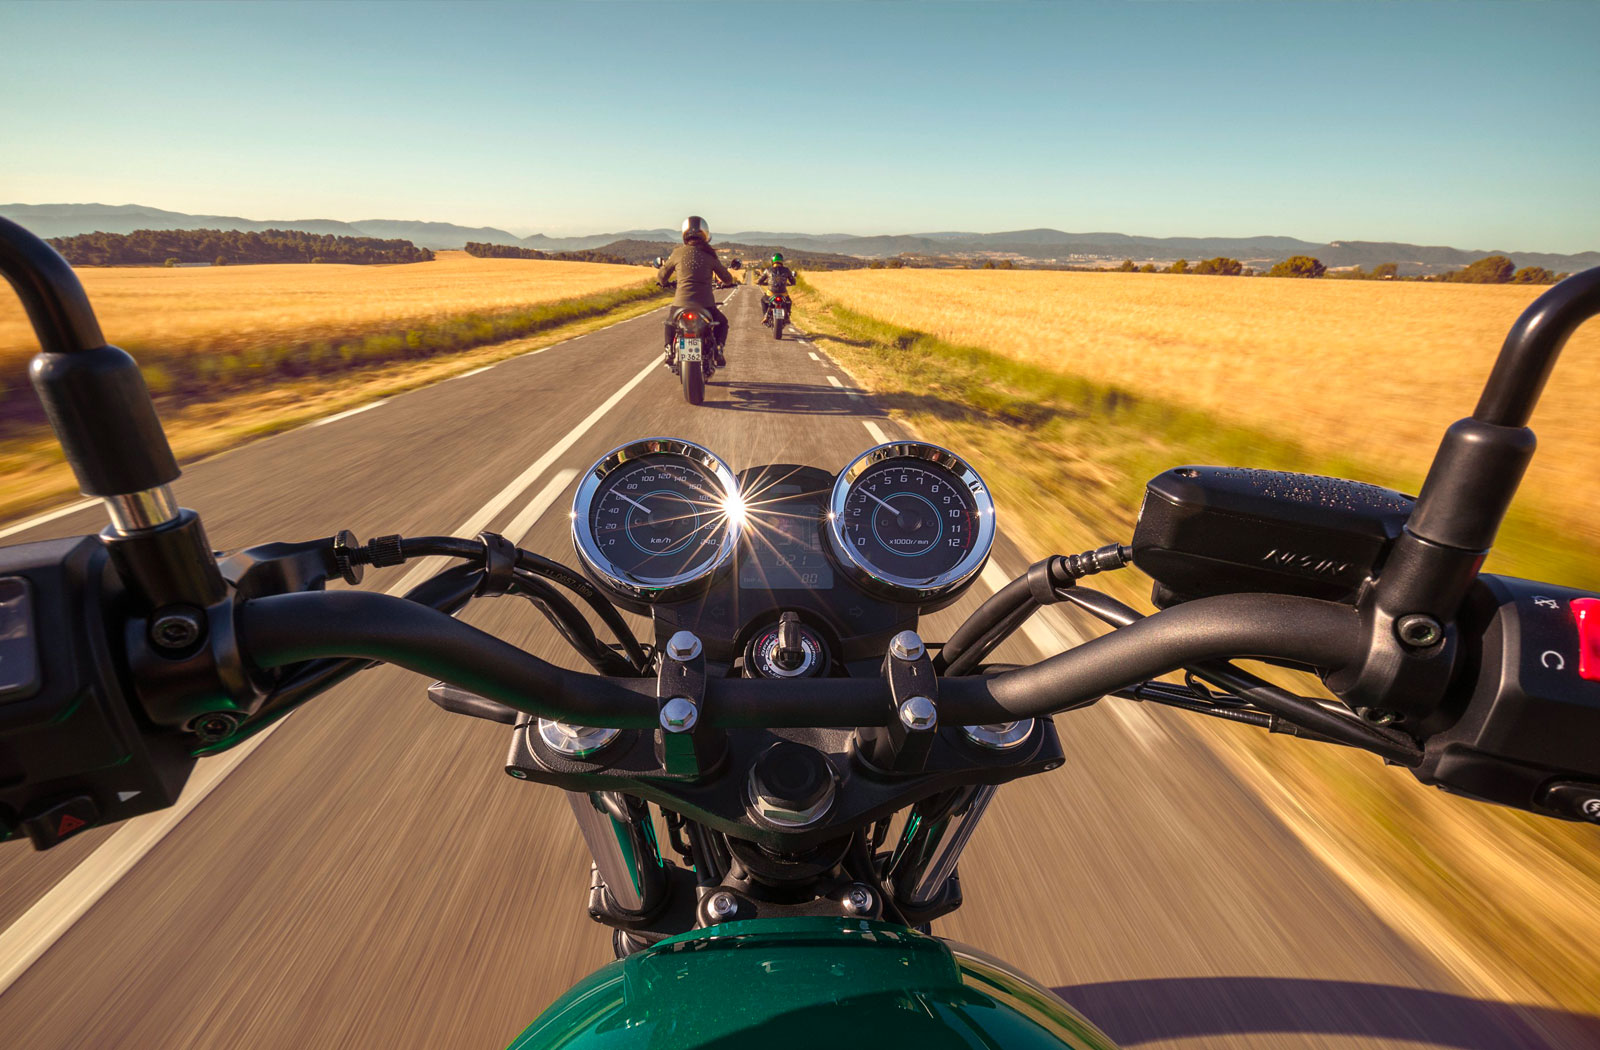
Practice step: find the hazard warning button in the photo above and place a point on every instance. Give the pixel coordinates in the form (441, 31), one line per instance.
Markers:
(61, 821)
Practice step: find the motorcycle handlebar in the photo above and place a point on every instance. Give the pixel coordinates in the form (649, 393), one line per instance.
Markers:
(292, 628)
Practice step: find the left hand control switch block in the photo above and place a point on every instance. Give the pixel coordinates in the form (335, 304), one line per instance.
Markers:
(75, 751)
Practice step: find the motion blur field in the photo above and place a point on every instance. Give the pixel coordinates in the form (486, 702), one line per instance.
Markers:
(1350, 370)
(1509, 897)
(370, 877)
(235, 352)
(186, 310)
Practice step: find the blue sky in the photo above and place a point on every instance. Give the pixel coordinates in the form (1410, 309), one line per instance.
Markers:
(1471, 124)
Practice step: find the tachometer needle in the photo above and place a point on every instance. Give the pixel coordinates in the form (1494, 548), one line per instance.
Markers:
(635, 502)
(870, 496)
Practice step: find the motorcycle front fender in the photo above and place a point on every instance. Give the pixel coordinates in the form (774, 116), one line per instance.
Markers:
(778, 983)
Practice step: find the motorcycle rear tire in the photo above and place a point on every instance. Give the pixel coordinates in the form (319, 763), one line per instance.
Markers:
(777, 329)
(694, 383)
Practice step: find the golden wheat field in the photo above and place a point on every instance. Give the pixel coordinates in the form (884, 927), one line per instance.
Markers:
(239, 307)
(1370, 370)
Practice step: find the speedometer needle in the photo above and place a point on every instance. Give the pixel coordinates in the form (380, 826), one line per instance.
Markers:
(635, 502)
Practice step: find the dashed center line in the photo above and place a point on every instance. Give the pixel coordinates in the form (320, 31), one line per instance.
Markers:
(813, 355)
(876, 431)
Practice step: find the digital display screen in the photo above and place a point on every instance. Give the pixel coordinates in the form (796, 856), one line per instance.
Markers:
(785, 546)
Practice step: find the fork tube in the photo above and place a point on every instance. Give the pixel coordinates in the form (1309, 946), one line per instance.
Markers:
(936, 833)
(622, 840)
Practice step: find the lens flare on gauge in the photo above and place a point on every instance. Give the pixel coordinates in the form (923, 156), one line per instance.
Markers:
(656, 520)
(783, 533)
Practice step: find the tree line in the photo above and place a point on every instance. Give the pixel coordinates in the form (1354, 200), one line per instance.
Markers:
(482, 250)
(1492, 269)
(222, 247)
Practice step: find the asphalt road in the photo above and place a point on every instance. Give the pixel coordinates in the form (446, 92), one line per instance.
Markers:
(369, 877)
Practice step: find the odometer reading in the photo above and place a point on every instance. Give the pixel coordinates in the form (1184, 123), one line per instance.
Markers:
(913, 518)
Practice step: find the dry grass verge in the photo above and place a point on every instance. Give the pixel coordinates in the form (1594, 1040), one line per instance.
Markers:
(1346, 369)
(1506, 898)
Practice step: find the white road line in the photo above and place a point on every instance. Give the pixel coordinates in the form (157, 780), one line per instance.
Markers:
(347, 413)
(48, 516)
(813, 355)
(52, 915)
(523, 523)
(58, 512)
(835, 381)
(491, 510)
(876, 431)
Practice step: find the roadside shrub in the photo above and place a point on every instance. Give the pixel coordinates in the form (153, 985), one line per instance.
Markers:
(1298, 266)
(1222, 266)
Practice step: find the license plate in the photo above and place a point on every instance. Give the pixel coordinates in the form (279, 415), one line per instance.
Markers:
(688, 349)
(780, 313)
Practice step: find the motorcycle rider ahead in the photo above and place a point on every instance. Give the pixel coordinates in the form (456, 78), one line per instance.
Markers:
(777, 278)
(695, 267)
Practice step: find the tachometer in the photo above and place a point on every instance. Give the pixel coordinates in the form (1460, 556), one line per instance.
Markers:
(656, 520)
(911, 521)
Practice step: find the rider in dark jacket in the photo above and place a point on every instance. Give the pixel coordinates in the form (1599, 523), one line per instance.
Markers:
(695, 267)
(778, 278)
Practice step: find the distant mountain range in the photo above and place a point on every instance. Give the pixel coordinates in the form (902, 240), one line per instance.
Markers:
(1042, 245)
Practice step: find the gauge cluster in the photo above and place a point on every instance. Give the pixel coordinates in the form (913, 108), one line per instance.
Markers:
(667, 528)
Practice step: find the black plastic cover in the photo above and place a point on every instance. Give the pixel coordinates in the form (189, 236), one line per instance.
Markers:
(1206, 531)
(1529, 720)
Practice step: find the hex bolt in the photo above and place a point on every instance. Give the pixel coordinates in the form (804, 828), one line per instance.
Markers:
(1379, 716)
(176, 629)
(919, 713)
(683, 646)
(721, 905)
(679, 715)
(858, 901)
(1418, 630)
(214, 726)
(906, 645)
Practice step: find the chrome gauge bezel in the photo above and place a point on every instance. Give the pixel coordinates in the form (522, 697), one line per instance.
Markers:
(919, 590)
(651, 589)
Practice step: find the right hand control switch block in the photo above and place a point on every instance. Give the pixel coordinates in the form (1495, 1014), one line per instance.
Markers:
(1528, 734)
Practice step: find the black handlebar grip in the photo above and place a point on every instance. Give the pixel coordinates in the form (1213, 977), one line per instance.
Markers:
(1532, 346)
(100, 408)
(93, 394)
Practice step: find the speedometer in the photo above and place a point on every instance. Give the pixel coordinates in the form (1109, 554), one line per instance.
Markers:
(656, 520)
(911, 521)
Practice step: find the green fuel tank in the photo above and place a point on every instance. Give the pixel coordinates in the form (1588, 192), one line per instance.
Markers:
(817, 983)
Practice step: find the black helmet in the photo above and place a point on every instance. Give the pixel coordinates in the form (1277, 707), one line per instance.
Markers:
(695, 229)
(778, 258)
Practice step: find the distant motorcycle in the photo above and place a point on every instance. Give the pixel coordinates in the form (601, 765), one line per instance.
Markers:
(778, 308)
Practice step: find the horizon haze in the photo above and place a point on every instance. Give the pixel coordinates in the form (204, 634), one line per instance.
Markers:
(1458, 124)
